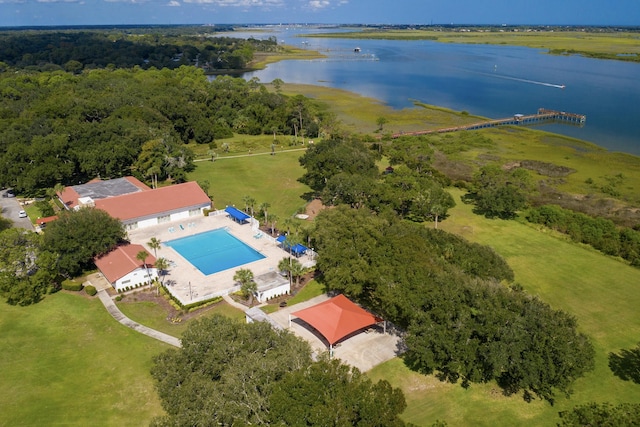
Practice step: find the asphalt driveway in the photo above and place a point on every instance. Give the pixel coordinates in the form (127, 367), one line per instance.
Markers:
(10, 208)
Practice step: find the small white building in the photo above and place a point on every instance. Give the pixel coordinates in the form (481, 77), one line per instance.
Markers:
(124, 270)
(271, 285)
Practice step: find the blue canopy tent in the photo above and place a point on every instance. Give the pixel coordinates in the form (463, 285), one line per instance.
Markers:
(237, 214)
(296, 249)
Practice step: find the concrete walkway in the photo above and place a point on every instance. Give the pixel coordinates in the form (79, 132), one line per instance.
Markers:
(233, 303)
(117, 314)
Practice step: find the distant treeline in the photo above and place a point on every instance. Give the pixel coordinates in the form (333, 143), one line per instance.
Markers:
(602, 234)
(77, 50)
(64, 128)
(463, 27)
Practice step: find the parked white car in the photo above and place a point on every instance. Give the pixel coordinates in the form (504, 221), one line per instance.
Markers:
(22, 214)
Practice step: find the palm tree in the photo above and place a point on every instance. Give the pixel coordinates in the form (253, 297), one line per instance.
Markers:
(249, 203)
(247, 286)
(285, 266)
(273, 219)
(287, 223)
(53, 192)
(290, 241)
(263, 207)
(142, 257)
(154, 243)
(162, 265)
(153, 173)
(296, 270)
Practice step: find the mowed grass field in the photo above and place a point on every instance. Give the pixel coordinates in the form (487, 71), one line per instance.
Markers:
(265, 178)
(66, 361)
(601, 292)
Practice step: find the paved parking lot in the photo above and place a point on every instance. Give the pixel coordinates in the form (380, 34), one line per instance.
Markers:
(10, 208)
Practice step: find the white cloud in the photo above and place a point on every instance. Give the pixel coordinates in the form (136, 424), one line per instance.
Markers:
(59, 1)
(127, 1)
(319, 4)
(240, 3)
(174, 3)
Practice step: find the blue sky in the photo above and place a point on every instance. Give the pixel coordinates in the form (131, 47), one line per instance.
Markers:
(93, 12)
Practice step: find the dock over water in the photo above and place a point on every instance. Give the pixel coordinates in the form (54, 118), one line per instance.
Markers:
(543, 116)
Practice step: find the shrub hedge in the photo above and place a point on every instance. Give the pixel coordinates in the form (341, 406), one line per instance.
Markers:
(72, 285)
(602, 234)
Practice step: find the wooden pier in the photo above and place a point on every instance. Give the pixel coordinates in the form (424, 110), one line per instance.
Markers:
(543, 116)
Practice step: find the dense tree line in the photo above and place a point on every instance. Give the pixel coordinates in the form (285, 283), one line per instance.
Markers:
(77, 50)
(600, 233)
(601, 415)
(228, 373)
(79, 236)
(461, 322)
(499, 193)
(57, 127)
(345, 171)
(27, 269)
(33, 264)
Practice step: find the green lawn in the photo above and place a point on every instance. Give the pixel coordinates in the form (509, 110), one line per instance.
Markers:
(266, 178)
(600, 291)
(311, 290)
(152, 315)
(65, 361)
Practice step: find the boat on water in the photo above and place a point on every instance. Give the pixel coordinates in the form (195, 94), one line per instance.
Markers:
(357, 49)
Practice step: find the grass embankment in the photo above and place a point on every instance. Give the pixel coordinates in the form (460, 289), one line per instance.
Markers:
(66, 361)
(600, 291)
(614, 45)
(262, 59)
(359, 114)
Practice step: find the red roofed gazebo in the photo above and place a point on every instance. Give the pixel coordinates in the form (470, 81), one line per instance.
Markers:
(336, 318)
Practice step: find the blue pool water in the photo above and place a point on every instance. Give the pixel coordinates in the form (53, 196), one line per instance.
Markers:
(214, 251)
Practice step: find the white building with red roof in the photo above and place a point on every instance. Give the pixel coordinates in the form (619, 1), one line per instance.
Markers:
(123, 269)
(135, 204)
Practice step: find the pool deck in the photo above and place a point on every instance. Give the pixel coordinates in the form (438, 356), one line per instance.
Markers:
(184, 280)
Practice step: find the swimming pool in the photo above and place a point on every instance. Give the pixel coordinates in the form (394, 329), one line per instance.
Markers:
(214, 251)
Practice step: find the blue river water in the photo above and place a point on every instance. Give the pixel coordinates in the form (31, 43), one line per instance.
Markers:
(493, 81)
